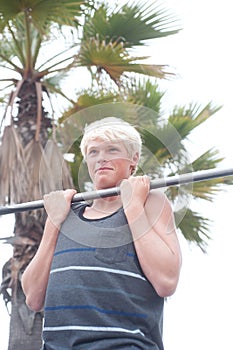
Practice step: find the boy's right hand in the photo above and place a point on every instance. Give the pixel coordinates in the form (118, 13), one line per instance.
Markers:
(57, 205)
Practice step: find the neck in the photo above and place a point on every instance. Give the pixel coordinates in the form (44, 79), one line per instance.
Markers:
(109, 204)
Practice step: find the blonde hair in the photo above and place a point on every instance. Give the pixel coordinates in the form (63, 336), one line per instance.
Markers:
(112, 129)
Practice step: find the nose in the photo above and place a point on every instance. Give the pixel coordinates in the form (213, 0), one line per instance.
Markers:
(102, 157)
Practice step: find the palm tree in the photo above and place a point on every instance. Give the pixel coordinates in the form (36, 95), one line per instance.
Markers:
(42, 42)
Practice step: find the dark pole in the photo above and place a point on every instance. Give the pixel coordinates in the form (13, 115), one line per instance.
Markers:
(158, 183)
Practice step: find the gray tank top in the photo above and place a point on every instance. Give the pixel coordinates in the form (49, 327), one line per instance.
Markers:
(97, 295)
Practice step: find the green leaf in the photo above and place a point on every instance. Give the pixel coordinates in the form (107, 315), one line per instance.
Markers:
(131, 24)
(194, 227)
(43, 12)
(143, 92)
(186, 119)
(114, 60)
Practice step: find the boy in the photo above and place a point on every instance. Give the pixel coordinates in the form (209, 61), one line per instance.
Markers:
(102, 270)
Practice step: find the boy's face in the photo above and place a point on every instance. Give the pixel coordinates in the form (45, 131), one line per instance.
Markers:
(108, 162)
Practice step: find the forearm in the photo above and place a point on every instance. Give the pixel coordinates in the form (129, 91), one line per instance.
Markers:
(35, 277)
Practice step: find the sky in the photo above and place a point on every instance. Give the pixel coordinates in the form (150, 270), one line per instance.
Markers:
(197, 315)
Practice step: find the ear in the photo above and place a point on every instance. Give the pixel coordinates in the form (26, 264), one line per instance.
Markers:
(134, 163)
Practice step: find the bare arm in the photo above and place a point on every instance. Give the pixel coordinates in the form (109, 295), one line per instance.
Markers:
(35, 278)
(151, 221)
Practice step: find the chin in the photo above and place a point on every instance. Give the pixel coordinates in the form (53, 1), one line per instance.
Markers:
(105, 184)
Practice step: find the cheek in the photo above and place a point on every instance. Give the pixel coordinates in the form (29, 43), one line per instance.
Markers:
(90, 168)
(124, 168)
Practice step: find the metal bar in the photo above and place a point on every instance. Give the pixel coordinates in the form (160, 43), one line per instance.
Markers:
(158, 183)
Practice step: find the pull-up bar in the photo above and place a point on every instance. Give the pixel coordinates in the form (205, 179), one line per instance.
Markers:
(114, 191)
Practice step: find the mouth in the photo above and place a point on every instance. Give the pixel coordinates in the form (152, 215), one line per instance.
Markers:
(103, 169)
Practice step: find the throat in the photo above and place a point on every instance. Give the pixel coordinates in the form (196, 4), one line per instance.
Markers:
(102, 208)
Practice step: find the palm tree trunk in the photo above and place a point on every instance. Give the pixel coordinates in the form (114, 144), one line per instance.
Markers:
(25, 325)
(32, 126)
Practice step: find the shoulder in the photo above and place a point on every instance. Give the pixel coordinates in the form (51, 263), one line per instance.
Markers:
(157, 197)
(160, 213)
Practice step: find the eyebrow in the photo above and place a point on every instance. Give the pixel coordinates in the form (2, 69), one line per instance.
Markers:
(108, 144)
(91, 148)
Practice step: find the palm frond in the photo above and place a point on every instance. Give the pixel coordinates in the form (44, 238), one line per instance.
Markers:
(114, 60)
(59, 171)
(79, 172)
(51, 86)
(194, 227)
(7, 53)
(14, 38)
(144, 92)
(14, 177)
(131, 25)
(186, 119)
(38, 169)
(206, 189)
(152, 70)
(42, 12)
(86, 100)
(18, 240)
(208, 160)
(164, 143)
(228, 180)
(63, 12)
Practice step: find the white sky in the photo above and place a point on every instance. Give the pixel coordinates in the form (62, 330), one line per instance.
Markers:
(197, 316)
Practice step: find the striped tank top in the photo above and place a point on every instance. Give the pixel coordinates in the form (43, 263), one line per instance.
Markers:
(97, 296)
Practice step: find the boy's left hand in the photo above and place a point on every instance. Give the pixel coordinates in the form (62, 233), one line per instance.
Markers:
(134, 191)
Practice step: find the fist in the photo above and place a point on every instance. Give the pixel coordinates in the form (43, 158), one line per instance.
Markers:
(134, 191)
(57, 205)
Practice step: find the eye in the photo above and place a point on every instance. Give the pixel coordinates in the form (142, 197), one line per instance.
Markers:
(113, 149)
(92, 151)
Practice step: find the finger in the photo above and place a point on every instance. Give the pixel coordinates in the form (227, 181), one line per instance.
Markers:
(69, 193)
(146, 180)
(53, 194)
